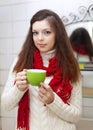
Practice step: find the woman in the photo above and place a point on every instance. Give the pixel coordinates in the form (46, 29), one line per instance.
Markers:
(82, 44)
(56, 104)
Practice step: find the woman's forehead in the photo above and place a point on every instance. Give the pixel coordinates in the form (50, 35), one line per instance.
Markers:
(43, 24)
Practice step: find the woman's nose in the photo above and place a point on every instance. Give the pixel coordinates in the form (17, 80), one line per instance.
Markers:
(40, 36)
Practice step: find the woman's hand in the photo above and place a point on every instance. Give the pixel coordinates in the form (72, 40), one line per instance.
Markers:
(46, 94)
(21, 80)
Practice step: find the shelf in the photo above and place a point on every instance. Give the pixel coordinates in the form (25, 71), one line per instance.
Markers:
(86, 66)
(87, 69)
(87, 92)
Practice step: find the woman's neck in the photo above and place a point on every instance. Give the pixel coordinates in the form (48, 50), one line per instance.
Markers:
(46, 56)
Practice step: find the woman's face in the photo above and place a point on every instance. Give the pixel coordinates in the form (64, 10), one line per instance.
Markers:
(43, 36)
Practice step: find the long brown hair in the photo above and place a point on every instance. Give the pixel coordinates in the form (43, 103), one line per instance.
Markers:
(62, 44)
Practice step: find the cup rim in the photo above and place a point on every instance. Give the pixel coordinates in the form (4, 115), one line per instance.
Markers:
(36, 70)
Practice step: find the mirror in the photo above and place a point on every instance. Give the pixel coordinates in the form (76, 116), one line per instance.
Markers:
(88, 25)
(84, 19)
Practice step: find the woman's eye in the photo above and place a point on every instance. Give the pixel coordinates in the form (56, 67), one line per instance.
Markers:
(35, 33)
(47, 32)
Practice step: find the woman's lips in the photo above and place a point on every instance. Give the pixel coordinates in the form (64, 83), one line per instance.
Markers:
(42, 45)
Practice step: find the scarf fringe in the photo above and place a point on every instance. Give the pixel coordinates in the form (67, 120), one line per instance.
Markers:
(23, 113)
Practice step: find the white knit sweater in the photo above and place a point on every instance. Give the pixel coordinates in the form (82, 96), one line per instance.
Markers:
(54, 116)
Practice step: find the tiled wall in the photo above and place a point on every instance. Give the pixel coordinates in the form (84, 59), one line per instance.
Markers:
(14, 24)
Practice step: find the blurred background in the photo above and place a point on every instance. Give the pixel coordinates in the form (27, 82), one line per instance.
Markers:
(15, 17)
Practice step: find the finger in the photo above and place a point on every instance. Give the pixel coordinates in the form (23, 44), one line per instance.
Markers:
(23, 77)
(42, 90)
(24, 82)
(42, 98)
(41, 95)
(46, 87)
(22, 73)
(18, 78)
(25, 70)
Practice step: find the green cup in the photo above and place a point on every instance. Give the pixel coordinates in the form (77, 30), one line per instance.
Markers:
(35, 76)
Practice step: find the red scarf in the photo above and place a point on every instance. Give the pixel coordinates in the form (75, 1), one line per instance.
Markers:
(61, 88)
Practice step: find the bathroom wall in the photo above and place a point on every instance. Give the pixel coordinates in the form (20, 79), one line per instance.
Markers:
(14, 23)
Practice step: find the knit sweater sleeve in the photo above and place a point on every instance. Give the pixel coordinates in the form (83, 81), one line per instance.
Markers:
(11, 94)
(71, 112)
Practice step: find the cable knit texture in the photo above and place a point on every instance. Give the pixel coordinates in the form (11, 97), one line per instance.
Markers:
(61, 87)
(55, 116)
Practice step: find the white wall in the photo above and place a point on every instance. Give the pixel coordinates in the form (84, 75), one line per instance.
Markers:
(14, 23)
